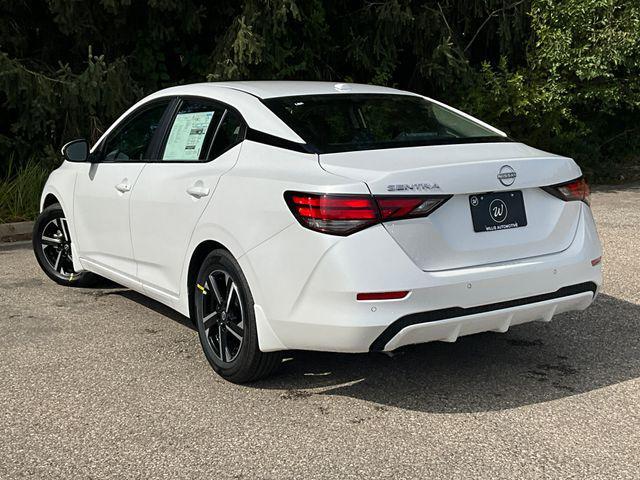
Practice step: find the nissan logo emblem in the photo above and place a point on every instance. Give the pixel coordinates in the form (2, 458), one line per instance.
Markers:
(507, 175)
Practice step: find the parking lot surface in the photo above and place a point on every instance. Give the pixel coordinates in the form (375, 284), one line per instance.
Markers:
(104, 383)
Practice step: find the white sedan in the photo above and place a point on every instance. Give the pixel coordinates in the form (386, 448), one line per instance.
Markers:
(320, 216)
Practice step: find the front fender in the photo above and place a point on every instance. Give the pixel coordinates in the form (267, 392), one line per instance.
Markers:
(61, 184)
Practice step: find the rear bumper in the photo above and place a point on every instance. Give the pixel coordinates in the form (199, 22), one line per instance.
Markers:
(450, 323)
(313, 305)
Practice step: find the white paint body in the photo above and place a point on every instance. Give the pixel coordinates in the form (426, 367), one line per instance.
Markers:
(136, 224)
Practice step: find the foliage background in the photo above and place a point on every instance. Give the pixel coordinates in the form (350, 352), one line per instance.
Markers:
(562, 75)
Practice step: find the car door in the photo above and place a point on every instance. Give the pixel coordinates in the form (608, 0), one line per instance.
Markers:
(103, 192)
(201, 143)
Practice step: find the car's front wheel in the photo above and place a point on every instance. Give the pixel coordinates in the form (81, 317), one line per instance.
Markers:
(52, 247)
(226, 321)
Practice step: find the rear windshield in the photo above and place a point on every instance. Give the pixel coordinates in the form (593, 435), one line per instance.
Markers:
(346, 122)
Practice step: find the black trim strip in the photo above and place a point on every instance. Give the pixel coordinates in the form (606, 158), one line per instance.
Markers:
(160, 138)
(352, 147)
(454, 312)
(268, 139)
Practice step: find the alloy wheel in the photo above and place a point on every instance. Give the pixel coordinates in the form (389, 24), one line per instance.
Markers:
(56, 246)
(223, 316)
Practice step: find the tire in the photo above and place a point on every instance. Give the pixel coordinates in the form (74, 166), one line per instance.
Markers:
(52, 247)
(225, 317)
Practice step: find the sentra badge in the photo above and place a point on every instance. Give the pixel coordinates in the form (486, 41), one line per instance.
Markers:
(412, 187)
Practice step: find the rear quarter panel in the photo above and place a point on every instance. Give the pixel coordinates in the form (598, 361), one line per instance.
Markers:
(248, 206)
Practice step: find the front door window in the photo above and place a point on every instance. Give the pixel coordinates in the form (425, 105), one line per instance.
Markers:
(131, 141)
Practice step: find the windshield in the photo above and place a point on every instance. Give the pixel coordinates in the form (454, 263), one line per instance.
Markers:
(345, 122)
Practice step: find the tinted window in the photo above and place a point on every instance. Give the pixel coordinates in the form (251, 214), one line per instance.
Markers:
(131, 141)
(230, 133)
(343, 122)
(191, 131)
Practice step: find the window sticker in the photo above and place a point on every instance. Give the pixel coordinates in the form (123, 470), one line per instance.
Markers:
(187, 136)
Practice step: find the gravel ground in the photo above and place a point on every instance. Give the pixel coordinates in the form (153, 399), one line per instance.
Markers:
(103, 383)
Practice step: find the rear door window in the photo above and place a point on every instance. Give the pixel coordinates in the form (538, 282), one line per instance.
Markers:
(191, 131)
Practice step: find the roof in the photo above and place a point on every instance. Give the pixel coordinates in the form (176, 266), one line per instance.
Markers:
(245, 97)
(287, 88)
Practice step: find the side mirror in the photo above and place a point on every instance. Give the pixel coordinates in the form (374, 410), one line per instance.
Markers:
(76, 151)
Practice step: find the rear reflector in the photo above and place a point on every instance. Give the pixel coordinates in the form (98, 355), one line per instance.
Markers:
(596, 261)
(382, 295)
(574, 190)
(340, 214)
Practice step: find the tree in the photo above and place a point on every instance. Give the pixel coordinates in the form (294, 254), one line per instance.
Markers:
(561, 75)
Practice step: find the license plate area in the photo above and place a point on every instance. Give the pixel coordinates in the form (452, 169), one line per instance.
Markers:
(497, 211)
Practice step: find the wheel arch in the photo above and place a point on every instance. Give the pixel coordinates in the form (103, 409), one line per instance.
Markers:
(199, 254)
(49, 199)
(52, 194)
(267, 339)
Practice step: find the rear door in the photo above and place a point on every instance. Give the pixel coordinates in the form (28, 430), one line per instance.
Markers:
(103, 191)
(202, 142)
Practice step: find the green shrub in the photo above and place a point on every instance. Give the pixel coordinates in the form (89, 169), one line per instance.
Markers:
(579, 92)
(561, 75)
(20, 189)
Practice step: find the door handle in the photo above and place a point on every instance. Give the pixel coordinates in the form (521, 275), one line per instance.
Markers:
(198, 190)
(123, 187)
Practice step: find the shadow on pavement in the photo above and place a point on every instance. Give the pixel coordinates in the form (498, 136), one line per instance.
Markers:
(157, 307)
(576, 353)
(105, 287)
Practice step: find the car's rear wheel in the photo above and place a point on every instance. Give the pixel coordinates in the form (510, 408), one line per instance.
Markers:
(226, 321)
(52, 247)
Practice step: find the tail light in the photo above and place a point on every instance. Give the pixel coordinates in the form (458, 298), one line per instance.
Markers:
(339, 214)
(335, 214)
(574, 190)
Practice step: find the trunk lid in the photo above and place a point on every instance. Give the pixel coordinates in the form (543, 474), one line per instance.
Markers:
(446, 239)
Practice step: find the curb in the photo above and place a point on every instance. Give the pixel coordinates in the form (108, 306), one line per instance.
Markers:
(21, 245)
(15, 232)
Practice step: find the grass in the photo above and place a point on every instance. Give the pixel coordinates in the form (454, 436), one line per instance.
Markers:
(20, 189)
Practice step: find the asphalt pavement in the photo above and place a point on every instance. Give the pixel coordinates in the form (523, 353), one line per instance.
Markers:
(104, 383)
